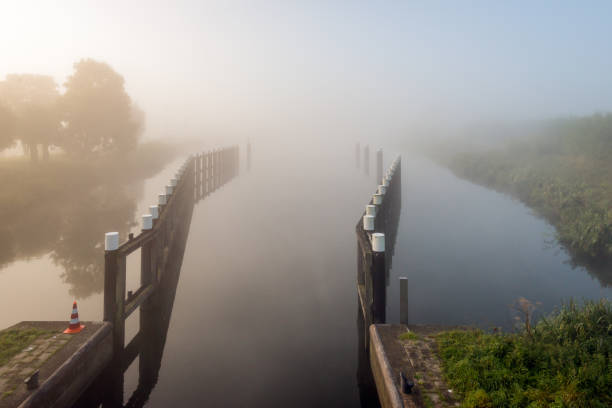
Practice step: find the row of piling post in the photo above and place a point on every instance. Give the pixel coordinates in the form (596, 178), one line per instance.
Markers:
(371, 230)
(366, 160)
(197, 177)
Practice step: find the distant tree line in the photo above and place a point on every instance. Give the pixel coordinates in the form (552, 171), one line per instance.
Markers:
(93, 116)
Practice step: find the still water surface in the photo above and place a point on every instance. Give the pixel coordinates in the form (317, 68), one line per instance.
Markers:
(265, 309)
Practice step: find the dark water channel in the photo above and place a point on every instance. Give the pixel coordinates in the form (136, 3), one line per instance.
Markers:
(265, 310)
(469, 253)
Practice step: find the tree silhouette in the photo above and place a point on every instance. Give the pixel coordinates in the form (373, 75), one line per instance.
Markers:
(7, 127)
(97, 113)
(38, 125)
(33, 101)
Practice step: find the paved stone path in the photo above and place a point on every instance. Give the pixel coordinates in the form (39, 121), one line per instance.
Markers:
(426, 372)
(416, 356)
(21, 366)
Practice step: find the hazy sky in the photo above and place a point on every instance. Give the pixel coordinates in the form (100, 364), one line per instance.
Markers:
(368, 67)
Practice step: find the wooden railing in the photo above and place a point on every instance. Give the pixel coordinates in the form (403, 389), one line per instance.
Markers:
(162, 231)
(376, 234)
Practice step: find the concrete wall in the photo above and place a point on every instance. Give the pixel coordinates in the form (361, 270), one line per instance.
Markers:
(67, 383)
(381, 371)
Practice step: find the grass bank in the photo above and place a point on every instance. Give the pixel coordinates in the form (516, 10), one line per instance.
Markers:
(13, 341)
(564, 172)
(563, 361)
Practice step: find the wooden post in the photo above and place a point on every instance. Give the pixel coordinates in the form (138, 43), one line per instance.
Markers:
(379, 289)
(111, 243)
(379, 165)
(114, 293)
(403, 300)
(366, 159)
(248, 158)
(198, 176)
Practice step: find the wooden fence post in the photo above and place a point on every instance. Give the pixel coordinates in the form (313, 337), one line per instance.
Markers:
(379, 289)
(198, 177)
(403, 300)
(114, 292)
(379, 165)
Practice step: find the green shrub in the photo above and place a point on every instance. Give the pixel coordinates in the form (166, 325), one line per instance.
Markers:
(565, 362)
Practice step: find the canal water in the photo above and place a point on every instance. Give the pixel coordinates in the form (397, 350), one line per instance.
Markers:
(265, 311)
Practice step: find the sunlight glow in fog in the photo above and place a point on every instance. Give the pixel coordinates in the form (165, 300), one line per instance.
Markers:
(235, 67)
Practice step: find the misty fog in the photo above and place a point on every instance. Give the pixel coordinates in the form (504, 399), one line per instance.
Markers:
(393, 70)
(499, 115)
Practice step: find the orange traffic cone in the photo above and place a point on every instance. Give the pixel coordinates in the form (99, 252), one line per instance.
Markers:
(75, 325)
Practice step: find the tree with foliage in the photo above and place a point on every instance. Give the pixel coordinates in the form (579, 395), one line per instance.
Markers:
(33, 100)
(7, 127)
(98, 115)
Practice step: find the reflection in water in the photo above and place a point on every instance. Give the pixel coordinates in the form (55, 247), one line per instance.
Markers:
(68, 222)
(600, 270)
(82, 235)
(166, 249)
(155, 317)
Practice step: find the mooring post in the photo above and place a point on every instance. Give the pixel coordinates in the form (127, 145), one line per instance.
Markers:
(162, 200)
(368, 223)
(379, 290)
(366, 159)
(403, 300)
(146, 273)
(198, 176)
(371, 209)
(379, 164)
(111, 244)
(219, 167)
(209, 176)
(248, 158)
(114, 293)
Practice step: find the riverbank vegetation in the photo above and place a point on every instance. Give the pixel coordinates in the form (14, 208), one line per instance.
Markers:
(82, 170)
(63, 207)
(563, 361)
(564, 172)
(93, 116)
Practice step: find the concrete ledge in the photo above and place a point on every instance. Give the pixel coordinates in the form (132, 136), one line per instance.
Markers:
(75, 374)
(388, 393)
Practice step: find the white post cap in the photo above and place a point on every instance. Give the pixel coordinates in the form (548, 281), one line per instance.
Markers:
(377, 199)
(147, 222)
(173, 182)
(162, 199)
(370, 209)
(169, 190)
(378, 242)
(382, 189)
(368, 222)
(111, 241)
(154, 210)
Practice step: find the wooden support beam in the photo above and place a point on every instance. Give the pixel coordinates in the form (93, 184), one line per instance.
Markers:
(136, 300)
